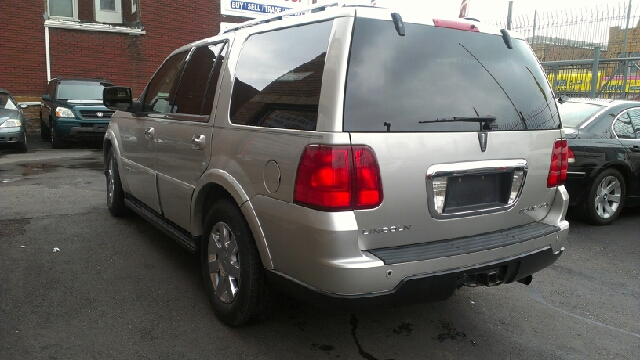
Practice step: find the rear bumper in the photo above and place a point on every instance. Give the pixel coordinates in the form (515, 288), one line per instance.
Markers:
(327, 259)
(577, 185)
(421, 288)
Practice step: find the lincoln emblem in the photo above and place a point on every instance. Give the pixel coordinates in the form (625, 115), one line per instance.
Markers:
(99, 114)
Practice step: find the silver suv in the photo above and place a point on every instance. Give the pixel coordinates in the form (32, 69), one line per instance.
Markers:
(349, 156)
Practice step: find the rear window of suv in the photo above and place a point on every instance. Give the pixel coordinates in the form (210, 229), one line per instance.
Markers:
(422, 81)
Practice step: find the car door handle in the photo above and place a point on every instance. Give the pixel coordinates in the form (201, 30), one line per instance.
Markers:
(148, 133)
(635, 148)
(198, 142)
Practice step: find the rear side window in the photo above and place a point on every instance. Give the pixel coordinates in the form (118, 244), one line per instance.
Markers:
(624, 126)
(634, 115)
(279, 78)
(425, 80)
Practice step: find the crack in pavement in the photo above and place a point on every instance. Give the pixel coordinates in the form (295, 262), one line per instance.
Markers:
(354, 326)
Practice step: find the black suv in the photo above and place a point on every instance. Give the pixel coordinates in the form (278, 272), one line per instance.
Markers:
(72, 109)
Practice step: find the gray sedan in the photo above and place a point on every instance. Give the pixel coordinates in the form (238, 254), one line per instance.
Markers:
(13, 130)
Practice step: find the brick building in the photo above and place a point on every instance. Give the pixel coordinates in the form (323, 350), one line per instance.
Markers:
(123, 41)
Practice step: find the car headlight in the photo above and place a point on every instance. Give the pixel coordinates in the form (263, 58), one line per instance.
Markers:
(63, 112)
(11, 123)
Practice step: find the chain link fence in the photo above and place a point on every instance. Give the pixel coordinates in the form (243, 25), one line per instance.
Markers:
(591, 52)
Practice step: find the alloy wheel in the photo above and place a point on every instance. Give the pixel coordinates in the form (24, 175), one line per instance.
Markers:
(111, 185)
(224, 265)
(608, 197)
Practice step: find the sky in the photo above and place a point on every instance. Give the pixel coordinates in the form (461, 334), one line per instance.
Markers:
(497, 9)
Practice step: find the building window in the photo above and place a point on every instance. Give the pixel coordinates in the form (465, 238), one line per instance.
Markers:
(134, 6)
(108, 11)
(63, 9)
(108, 5)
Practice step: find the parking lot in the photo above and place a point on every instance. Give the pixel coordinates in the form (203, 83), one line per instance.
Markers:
(76, 283)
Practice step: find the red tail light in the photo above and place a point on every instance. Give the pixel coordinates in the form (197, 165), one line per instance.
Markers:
(337, 178)
(559, 164)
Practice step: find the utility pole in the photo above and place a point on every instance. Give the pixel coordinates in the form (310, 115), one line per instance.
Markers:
(509, 15)
(624, 54)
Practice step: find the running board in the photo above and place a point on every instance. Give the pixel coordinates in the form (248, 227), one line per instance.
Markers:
(176, 233)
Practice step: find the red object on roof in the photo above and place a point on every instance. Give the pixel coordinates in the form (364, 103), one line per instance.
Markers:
(457, 25)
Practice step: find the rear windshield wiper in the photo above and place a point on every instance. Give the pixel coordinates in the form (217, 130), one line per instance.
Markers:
(486, 122)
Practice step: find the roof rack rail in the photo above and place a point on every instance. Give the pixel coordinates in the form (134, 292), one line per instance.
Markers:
(280, 16)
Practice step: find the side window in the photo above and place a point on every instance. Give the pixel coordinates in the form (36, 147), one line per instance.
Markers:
(622, 126)
(279, 78)
(51, 88)
(160, 92)
(213, 81)
(634, 115)
(199, 79)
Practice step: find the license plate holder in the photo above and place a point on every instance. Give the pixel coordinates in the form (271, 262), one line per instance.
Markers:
(473, 191)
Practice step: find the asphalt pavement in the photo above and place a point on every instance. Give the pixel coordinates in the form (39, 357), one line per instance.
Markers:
(76, 283)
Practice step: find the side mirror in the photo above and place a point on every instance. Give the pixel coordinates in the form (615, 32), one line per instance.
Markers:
(46, 97)
(117, 98)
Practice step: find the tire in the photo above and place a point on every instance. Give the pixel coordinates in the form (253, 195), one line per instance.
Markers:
(45, 131)
(22, 147)
(231, 268)
(56, 141)
(605, 199)
(115, 194)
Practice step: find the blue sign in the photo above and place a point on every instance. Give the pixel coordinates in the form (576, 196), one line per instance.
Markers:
(255, 7)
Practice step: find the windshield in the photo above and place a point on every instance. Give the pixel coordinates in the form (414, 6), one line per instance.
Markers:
(572, 114)
(80, 91)
(433, 73)
(6, 102)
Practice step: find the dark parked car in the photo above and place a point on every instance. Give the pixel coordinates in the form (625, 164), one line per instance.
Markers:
(13, 130)
(604, 156)
(72, 109)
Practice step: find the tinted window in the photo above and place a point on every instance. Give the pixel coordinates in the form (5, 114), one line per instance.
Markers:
(51, 88)
(279, 78)
(634, 115)
(80, 90)
(161, 89)
(213, 81)
(195, 81)
(437, 73)
(623, 128)
(6, 102)
(572, 114)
